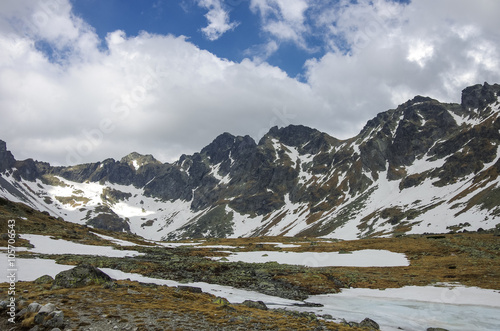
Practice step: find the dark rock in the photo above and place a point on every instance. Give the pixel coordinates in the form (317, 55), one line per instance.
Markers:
(436, 329)
(478, 96)
(191, 289)
(107, 219)
(54, 319)
(255, 304)
(82, 275)
(45, 279)
(308, 304)
(370, 324)
(7, 160)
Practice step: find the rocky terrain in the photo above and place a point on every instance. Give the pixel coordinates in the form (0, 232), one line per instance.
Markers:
(84, 298)
(425, 166)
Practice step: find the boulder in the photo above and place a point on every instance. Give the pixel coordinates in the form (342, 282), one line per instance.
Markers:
(34, 307)
(45, 279)
(370, 324)
(255, 304)
(48, 308)
(80, 276)
(191, 289)
(54, 320)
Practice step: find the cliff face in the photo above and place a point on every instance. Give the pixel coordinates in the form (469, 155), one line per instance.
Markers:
(425, 166)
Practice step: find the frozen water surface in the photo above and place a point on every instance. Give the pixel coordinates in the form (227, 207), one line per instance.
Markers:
(453, 307)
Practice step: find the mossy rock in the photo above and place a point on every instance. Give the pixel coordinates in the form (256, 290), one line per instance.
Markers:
(45, 279)
(80, 276)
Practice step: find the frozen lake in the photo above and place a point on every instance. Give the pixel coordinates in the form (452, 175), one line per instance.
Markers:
(452, 307)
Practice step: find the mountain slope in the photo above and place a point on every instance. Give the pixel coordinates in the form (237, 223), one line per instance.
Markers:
(425, 166)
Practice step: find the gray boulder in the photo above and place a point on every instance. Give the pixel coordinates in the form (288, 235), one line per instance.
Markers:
(80, 276)
(34, 307)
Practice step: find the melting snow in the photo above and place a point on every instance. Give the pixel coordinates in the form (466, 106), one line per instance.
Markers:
(47, 245)
(362, 258)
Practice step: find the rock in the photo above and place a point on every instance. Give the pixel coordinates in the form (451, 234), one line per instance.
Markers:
(82, 275)
(3, 304)
(21, 312)
(46, 279)
(54, 320)
(48, 308)
(255, 304)
(34, 307)
(436, 329)
(308, 304)
(191, 289)
(370, 324)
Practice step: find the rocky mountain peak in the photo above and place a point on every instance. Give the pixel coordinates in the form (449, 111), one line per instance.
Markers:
(3, 146)
(6, 158)
(479, 96)
(292, 135)
(225, 145)
(136, 160)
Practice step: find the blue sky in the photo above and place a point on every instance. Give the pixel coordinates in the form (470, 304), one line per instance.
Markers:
(84, 80)
(188, 18)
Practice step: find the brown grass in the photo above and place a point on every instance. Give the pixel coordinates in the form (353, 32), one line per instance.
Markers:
(127, 303)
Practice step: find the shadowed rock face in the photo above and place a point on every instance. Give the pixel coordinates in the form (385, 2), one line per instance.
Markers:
(331, 180)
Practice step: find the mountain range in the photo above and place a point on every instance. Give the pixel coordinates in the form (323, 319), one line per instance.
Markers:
(424, 167)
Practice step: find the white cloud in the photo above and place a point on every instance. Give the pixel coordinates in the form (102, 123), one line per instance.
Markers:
(165, 96)
(396, 52)
(284, 20)
(218, 19)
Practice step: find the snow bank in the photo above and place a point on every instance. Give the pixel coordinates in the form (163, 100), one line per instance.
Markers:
(47, 245)
(362, 258)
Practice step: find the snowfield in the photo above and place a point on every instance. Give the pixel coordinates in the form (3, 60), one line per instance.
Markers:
(362, 258)
(47, 245)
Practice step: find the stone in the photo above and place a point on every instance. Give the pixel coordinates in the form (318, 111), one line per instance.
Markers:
(370, 324)
(80, 276)
(3, 305)
(54, 320)
(255, 304)
(48, 308)
(34, 307)
(436, 329)
(191, 289)
(45, 279)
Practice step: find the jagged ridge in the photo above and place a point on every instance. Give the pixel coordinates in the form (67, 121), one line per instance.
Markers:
(425, 166)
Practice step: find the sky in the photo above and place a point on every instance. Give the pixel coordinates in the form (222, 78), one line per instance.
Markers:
(86, 80)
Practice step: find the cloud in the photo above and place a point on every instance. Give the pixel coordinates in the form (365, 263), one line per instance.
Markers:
(163, 95)
(283, 19)
(218, 19)
(149, 93)
(383, 53)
